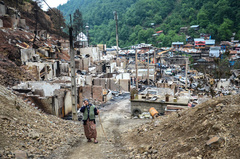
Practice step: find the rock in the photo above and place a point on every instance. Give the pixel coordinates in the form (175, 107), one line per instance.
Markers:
(20, 154)
(1, 152)
(205, 123)
(34, 135)
(213, 140)
(143, 148)
(196, 149)
(155, 151)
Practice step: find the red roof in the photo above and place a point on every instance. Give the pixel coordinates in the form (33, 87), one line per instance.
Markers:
(158, 32)
(200, 43)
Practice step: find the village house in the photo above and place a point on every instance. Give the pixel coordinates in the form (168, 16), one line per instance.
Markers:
(214, 51)
(195, 27)
(183, 30)
(188, 46)
(199, 43)
(209, 43)
(225, 45)
(177, 44)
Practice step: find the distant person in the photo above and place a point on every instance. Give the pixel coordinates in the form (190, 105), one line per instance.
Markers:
(89, 111)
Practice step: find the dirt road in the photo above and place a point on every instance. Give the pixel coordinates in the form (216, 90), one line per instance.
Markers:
(116, 119)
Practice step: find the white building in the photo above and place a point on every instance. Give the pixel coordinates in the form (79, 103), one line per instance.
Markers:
(214, 51)
(82, 39)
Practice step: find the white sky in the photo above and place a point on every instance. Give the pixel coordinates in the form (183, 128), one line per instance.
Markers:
(52, 3)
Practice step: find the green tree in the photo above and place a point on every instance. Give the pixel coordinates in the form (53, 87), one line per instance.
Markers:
(77, 22)
(202, 18)
(224, 30)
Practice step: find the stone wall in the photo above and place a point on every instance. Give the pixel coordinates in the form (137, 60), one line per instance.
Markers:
(22, 24)
(27, 55)
(125, 85)
(2, 9)
(92, 51)
(144, 106)
(43, 103)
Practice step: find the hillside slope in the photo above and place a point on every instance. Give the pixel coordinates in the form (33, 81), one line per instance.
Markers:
(13, 40)
(26, 128)
(209, 130)
(217, 17)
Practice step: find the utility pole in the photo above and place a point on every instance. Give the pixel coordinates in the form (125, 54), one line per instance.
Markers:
(136, 66)
(116, 18)
(73, 78)
(154, 57)
(87, 27)
(186, 70)
(148, 68)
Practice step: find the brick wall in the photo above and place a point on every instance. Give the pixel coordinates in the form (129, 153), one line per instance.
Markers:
(87, 92)
(97, 93)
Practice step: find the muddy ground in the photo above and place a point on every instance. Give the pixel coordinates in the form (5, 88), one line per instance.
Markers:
(115, 120)
(25, 128)
(209, 130)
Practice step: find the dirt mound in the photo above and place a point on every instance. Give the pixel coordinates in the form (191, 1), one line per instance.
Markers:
(26, 128)
(209, 130)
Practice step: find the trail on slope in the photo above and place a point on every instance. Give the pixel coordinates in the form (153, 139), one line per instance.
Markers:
(116, 120)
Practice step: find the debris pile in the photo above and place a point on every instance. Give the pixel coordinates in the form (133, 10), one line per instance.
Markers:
(26, 130)
(209, 130)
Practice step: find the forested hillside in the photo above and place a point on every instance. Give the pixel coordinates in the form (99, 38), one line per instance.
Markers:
(220, 18)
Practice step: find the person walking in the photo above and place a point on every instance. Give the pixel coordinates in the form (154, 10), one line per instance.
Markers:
(89, 111)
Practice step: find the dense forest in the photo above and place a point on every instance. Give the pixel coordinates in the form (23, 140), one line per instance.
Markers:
(138, 20)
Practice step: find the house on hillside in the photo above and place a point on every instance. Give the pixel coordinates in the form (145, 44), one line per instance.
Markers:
(189, 46)
(183, 29)
(205, 36)
(235, 41)
(236, 47)
(189, 40)
(199, 43)
(214, 51)
(195, 27)
(177, 44)
(225, 45)
(209, 43)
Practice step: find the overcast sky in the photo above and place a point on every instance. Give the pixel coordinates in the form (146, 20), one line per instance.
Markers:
(52, 3)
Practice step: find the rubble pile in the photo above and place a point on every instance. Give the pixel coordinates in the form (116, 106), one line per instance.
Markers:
(26, 130)
(10, 73)
(209, 130)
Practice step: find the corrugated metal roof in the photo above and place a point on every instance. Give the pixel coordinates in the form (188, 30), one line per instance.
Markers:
(210, 42)
(177, 43)
(199, 39)
(194, 26)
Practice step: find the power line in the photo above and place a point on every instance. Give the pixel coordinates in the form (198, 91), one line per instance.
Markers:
(51, 8)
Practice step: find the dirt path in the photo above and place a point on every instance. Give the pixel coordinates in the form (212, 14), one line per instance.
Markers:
(116, 119)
